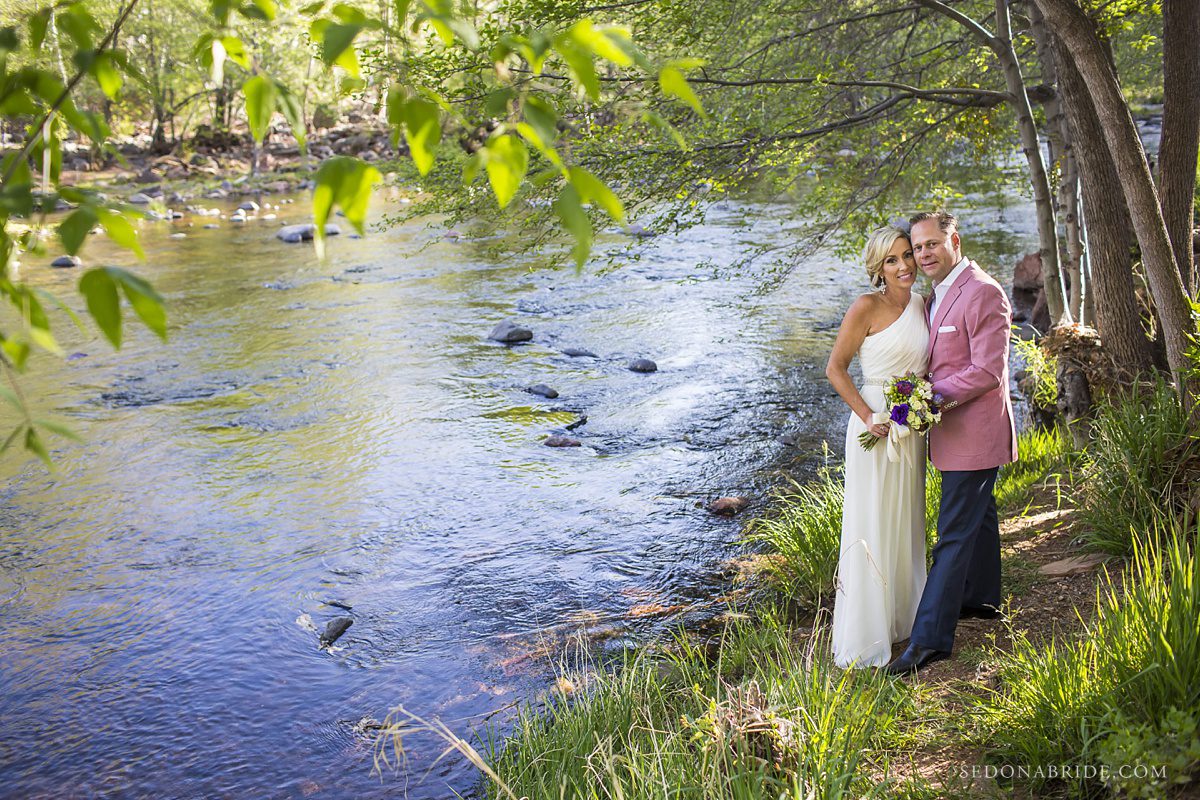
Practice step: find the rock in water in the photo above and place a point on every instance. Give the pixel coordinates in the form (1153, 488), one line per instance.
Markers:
(728, 506)
(334, 630)
(304, 233)
(543, 390)
(250, 206)
(67, 261)
(643, 365)
(578, 423)
(140, 199)
(561, 441)
(576, 352)
(509, 331)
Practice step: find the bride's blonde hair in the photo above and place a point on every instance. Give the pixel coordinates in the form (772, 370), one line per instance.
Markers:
(878, 244)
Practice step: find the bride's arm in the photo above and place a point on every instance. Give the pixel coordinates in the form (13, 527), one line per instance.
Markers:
(854, 329)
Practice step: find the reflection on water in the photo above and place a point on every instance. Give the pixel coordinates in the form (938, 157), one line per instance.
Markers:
(341, 439)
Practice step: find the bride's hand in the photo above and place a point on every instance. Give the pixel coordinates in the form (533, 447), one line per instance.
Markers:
(879, 429)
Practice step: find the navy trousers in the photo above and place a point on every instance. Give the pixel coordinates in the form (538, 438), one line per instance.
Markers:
(966, 559)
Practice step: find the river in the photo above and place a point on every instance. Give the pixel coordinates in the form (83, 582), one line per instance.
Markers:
(319, 440)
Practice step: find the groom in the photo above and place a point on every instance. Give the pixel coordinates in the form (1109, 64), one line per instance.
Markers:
(969, 323)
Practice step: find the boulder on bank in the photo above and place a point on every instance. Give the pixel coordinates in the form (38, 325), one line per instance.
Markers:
(643, 365)
(140, 199)
(509, 332)
(1029, 296)
(304, 233)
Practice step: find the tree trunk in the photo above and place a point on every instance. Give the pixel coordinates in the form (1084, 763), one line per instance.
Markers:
(1081, 41)
(1043, 199)
(1109, 229)
(1062, 155)
(1181, 129)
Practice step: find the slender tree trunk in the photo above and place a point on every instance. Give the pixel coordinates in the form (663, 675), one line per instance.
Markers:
(1063, 157)
(1047, 225)
(1081, 41)
(1001, 44)
(1181, 130)
(1109, 229)
(1081, 285)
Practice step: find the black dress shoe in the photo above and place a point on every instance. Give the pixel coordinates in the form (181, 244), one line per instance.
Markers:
(913, 659)
(979, 612)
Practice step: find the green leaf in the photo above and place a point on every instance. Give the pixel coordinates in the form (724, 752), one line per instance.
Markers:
(260, 104)
(422, 131)
(542, 116)
(593, 190)
(313, 8)
(44, 339)
(293, 112)
(17, 351)
(471, 168)
(263, 10)
(12, 437)
(496, 103)
(534, 137)
(100, 290)
(345, 182)
(599, 42)
(33, 443)
(235, 51)
(660, 122)
(675, 85)
(58, 428)
(74, 229)
(121, 231)
(575, 220)
(39, 23)
(221, 9)
(507, 162)
(582, 67)
(107, 75)
(337, 47)
(146, 302)
(76, 22)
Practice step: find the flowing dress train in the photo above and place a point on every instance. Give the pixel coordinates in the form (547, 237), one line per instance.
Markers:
(881, 567)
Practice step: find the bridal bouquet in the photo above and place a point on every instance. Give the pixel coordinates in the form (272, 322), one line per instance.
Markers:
(912, 406)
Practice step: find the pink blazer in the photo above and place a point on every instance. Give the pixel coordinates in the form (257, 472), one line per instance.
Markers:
(968, 366)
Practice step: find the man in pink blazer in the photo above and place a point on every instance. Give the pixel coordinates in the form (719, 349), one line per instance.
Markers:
(969, 327)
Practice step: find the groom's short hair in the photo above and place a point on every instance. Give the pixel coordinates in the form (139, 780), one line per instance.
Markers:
(945, 220)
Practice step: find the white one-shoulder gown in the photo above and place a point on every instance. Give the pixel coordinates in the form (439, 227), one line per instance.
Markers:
(881, 569)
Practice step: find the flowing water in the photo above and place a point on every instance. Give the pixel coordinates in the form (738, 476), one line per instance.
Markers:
(341, 439)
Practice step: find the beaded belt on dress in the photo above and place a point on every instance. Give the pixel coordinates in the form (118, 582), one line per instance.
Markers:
(876, 381)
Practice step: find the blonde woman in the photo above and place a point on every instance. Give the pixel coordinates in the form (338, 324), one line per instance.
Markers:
(881, 568)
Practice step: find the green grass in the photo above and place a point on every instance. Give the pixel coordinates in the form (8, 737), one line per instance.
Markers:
(803, 523)
(803, 527)
(1135, 668)
(1045, 458)
(1141, 472)
(769, 718)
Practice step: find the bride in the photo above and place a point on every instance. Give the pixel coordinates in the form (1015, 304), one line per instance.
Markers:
(881, 569)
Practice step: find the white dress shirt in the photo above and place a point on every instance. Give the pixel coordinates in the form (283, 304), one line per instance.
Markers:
(940, 289)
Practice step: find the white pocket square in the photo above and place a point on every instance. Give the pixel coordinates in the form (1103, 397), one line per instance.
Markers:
(947, 329)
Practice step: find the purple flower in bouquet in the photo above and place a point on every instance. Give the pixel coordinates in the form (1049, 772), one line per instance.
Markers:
(900, 414)
(905, 388)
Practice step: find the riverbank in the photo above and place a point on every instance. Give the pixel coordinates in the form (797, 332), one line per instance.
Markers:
(1094, 669)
